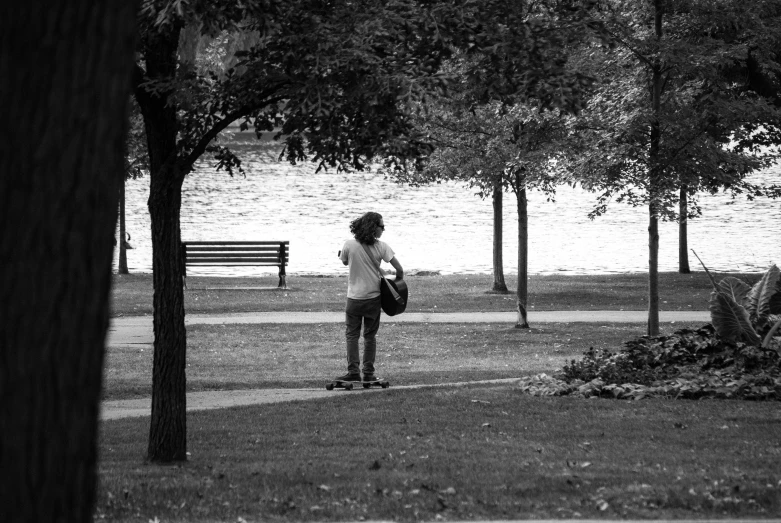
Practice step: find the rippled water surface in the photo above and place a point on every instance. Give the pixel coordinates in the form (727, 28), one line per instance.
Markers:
(444, 227)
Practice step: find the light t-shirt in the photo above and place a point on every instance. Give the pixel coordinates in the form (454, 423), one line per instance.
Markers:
(363, 282)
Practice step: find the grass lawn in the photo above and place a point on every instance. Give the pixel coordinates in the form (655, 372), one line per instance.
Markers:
(454, 454)
(282, 355)
(132, 294)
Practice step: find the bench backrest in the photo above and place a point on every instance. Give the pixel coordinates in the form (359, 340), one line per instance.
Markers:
(236, 253)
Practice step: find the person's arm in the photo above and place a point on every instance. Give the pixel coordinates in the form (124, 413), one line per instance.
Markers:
(344, 255)
(398, 267)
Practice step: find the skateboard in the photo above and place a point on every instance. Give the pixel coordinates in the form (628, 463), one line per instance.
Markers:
(348, 385)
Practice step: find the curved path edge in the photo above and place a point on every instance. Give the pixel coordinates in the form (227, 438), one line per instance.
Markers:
(220, 399)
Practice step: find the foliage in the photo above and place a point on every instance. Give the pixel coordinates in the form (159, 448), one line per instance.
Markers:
(723, 359)
(712, 119)
(480, 144)
(136, 155)
(691, 364)
(345, 78)
(747, 313)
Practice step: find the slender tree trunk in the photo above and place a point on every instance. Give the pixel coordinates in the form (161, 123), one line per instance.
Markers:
(683, 233)
(499, 284)
(122, 264)
(653, 273)
(522, 292)
(168, 429)
(653, 225)
(64, 78)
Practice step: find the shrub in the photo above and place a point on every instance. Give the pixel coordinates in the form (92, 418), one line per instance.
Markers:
(736, 356)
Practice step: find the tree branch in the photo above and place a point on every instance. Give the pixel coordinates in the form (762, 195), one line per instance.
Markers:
(221, 125)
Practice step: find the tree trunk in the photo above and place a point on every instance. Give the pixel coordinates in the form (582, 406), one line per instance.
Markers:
(522, 293)
(168, 429)
(683, 240)
(653, 273)
(653, 225)
(64, 78)
(122, 264)
(499, 284)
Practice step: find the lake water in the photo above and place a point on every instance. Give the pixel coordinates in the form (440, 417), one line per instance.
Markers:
(443, 227)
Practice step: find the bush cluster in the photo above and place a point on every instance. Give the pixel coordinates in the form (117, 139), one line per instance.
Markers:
(691, 363)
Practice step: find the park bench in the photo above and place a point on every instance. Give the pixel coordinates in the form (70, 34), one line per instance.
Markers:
(237, 254)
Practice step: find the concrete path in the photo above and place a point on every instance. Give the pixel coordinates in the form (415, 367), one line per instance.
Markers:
(220, 399)
(138, 329)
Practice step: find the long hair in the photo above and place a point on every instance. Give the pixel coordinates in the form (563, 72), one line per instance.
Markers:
(363, 228)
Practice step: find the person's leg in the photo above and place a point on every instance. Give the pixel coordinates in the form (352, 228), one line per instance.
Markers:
(370, 327)
(352, 334)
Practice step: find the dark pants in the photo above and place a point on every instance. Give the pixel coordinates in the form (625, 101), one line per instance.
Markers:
(366, 312)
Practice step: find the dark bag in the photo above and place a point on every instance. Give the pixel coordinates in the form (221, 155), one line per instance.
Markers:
(393, 294)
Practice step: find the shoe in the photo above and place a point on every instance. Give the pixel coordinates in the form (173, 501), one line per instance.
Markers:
(349, 377)
(370, 377)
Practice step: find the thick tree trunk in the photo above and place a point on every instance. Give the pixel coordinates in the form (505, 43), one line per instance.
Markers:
(168, 429)
(64, 80)
(522, 292)
(122, 264)
(683, 233)
(498, 192)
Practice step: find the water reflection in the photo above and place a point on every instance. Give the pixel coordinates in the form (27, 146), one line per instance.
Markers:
(443, 227)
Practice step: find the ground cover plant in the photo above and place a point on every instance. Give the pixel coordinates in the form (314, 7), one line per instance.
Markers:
(231, 356)
(460, 453)
(132, 294)
(738, 356)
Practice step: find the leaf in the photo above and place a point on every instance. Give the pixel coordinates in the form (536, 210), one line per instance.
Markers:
(734, 287)
(775, 299)
(758, 301)
(731, 320)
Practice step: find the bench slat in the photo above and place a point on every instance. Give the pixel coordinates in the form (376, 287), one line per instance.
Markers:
(221, 256)
(230, 263)
(253, 255)
(232, 249)
(237, 243)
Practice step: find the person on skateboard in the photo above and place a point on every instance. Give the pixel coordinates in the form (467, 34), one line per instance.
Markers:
(363, 255)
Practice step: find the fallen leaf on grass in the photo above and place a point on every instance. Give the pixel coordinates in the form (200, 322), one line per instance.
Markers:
(326, 488)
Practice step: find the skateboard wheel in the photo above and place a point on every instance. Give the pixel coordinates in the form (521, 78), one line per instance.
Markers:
(385, 385)
(330, 386)
(348, 386)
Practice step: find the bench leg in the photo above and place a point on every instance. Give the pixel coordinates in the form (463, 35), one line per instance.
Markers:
(282, 282)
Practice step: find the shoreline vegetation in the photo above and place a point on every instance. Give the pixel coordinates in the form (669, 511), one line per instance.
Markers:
(132, 293)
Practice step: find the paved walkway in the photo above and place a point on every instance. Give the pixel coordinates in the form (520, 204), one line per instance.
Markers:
(138, 329)
(220, 399)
